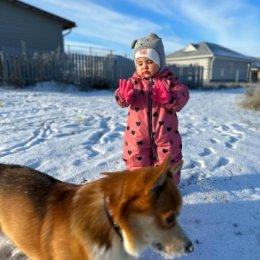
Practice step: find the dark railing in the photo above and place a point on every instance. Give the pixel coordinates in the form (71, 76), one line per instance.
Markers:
(28, 67)
(22, 67)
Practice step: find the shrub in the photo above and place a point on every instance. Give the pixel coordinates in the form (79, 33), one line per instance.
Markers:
(251, 99)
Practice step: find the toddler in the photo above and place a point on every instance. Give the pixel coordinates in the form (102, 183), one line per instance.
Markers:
(154, 95)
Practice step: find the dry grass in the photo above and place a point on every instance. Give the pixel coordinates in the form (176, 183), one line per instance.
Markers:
(251, 99)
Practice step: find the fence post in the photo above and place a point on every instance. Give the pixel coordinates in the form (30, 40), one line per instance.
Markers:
(237, 76)
(1, 66)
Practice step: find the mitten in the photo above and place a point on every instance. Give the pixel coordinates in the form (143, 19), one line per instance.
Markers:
(126, 90)
(160, 94)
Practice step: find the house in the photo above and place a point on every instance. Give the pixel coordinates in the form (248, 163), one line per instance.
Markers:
(23, 25)
(255, 71)
(219, 63)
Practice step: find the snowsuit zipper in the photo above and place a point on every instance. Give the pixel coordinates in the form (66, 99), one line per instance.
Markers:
(150, 121)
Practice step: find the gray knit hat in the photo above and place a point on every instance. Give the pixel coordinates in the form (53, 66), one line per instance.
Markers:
(151, 41)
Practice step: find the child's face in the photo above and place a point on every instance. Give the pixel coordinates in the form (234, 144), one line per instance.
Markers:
(146, 67)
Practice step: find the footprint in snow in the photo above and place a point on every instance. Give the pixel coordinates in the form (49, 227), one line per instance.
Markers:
(230, 143)
(207, 152)
(214, 140)
(193, 164)
(77, 162)
(222, 162)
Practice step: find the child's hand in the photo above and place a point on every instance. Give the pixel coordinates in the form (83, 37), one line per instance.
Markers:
(160, 94)
(126, 90)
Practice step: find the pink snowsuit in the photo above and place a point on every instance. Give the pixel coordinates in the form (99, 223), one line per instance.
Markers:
(152, 128)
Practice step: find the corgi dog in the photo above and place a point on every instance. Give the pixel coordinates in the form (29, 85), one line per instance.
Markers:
(113, 218)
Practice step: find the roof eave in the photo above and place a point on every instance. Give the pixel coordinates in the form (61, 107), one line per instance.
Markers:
(191, 57)
(67, 24)
(207, 56)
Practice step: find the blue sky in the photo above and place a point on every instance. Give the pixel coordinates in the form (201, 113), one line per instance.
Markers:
(114, 24)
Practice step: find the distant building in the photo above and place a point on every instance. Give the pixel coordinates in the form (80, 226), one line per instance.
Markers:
(255, 71)
(219, 63)
(23, 25)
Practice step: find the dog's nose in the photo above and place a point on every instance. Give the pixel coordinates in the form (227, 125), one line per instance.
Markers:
(158, 246)
(189, 247)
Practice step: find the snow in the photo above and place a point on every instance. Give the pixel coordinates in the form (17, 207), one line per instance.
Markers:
(74, 136)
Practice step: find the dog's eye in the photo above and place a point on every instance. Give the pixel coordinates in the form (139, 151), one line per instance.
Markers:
(171, 219)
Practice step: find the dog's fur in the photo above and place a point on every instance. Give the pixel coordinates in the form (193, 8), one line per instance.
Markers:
(115, 217)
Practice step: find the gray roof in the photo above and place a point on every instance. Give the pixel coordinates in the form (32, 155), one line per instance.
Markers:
(207, 49)
(66, 24)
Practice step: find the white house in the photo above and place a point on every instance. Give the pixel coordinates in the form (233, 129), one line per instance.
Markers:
(219, 63)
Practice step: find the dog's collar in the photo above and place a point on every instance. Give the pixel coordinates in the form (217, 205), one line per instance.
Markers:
(109, 214)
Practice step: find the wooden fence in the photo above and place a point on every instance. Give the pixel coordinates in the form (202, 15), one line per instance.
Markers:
(23, 68)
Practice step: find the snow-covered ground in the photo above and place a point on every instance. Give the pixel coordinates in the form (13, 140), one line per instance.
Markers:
(75, 136)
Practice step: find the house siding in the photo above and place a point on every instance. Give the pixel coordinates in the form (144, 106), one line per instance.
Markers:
(22, 27)
(204, 62)
(216, 69)
(229, 70)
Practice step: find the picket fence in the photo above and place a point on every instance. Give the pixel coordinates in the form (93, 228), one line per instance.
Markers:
(22, 67)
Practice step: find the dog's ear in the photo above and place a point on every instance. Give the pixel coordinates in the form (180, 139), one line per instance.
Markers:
(164, 171)
(176, 168)
(158, 178)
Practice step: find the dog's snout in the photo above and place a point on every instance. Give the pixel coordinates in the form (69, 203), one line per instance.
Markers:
(189, 247)
(158, 246)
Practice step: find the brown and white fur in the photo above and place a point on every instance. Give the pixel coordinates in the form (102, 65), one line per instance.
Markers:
(115, 217)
